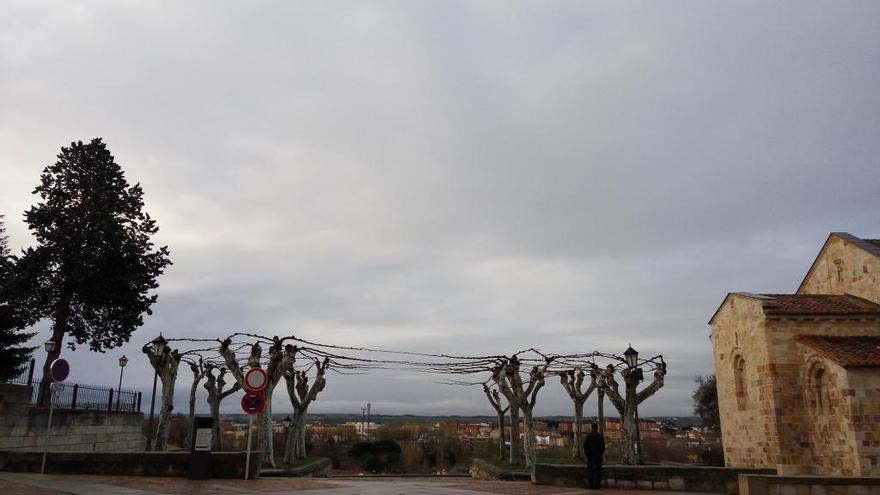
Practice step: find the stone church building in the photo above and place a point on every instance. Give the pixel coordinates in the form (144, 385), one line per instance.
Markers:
(799, 374)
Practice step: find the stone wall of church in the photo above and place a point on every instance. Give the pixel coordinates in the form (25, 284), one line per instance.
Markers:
(844, 268)
(747, 428)
(778, 422)
(862, 396)
(813, 439)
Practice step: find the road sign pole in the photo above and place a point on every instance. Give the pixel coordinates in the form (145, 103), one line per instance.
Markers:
(49, 427)
(247, 462)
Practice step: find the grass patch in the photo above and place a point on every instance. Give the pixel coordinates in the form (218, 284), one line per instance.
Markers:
(504, 465)
(279, 461)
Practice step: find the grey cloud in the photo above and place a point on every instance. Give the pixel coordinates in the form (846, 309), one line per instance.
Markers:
(460, 177)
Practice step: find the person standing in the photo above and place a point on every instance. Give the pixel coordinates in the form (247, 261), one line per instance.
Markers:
(594, 448)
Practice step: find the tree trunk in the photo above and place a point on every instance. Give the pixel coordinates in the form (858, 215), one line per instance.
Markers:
(297, 435)
(290, 446)
(514, 436)
(601, 412)
(578, 447)
(192, 412)
(216, 433)
(264, 434)
(501, 446)
(168, 377)
(301, 450)
(530, 450)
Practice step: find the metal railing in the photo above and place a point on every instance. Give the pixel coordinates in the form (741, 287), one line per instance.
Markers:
(76, 396)
(26, 376)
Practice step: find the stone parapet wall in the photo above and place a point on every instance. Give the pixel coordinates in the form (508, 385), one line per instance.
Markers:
(750, 484)
(486, 471)
(23, 427)
(675, 478)
(222, 464)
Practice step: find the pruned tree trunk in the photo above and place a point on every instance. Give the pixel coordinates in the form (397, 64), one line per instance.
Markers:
(627, 405)
(495, 400)
(166, 366)
(198, 371)
(280, 360)
(515, 453)
(508, 378)
(216, 394)
(572, 382)
(301, 397)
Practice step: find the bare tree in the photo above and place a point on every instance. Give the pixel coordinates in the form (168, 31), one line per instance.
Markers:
(301, 397)
(495, 399)
(573, 381)
(166, 367)
(216, 394)
(525, 395)
(627, 405)
(198, 371)
(280, 359)
(515, 452)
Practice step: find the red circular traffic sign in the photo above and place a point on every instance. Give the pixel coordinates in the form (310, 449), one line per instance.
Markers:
(59, 369)
(253, 402)
(255, 379)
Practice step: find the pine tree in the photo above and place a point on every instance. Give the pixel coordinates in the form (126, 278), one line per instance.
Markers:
(95, 266)
(13, 356)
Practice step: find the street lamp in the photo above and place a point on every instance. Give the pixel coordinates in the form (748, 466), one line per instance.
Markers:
(632, 357)
(49, 345)
(159, 347)
(122, 362)
(159, 344)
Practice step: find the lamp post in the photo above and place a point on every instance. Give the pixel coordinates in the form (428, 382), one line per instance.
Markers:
(633, 378)
(159, 346)
(122, 362)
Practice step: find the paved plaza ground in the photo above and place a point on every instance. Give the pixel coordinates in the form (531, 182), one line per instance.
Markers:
(37, 484)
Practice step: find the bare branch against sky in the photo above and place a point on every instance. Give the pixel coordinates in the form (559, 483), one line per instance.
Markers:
(471, 178)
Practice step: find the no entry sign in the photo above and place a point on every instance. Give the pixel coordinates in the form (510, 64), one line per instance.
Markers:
(253, 402)
(255, 379)
(59, 369)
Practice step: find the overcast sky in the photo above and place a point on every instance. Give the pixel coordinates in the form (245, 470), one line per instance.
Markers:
(470, 178)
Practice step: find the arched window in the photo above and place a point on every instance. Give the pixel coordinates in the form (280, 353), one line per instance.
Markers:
(819, 388)
(739, 378)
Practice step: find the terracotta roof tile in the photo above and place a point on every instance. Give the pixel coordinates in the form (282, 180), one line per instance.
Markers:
(818, 305)
(845, 351)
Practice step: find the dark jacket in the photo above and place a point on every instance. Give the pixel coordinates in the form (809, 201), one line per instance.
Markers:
(594, 445)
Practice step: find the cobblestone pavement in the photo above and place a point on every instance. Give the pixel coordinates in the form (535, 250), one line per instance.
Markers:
(37, 484)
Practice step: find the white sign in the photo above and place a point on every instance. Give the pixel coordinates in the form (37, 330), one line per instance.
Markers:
(255, 379)
(203, 439)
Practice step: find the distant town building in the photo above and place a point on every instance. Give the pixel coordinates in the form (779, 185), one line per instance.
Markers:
(799, 374)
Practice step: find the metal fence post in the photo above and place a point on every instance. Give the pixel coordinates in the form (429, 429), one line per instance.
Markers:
(30, 381)
(139, 403)
(110, 401)
(73, 398)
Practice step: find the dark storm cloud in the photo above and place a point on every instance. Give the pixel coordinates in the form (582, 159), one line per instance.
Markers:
(459, 177)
